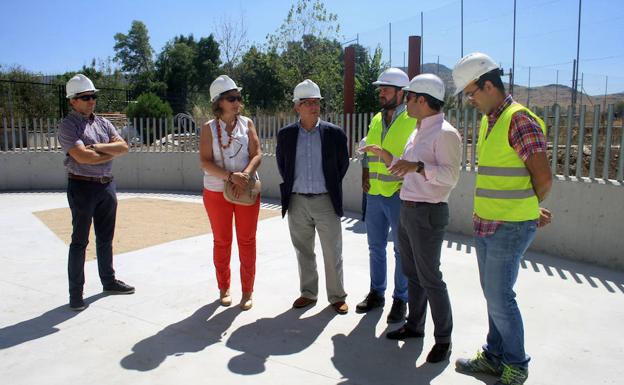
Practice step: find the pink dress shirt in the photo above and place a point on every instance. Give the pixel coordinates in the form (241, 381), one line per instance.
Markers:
(437, 144)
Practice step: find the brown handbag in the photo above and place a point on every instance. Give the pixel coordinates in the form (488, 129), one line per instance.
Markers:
(249, 195)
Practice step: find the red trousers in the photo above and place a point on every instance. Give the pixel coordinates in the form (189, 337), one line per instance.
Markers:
(220, 213)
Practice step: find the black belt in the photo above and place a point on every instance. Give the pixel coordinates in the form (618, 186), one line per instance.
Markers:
(309, 195)
(97, 179)
(416, 204)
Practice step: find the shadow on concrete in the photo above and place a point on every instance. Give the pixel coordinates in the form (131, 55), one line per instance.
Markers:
(356, 226)
(364, 358)
(40, 326)
(554, 267)
(282, 335)
(191, 335)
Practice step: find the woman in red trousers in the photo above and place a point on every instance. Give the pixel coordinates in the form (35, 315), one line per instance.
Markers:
(230, 151)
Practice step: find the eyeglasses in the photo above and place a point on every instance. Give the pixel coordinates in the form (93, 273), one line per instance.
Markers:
(470, 95)
(86, 98)
(233, 98)
(311, 102)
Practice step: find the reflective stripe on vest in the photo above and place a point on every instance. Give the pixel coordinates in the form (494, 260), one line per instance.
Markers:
(381, 181)
(504, 194)
(384, 178)
(503, 171)
(503, 191)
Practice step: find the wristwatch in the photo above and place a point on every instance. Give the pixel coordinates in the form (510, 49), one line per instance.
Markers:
(419, 166)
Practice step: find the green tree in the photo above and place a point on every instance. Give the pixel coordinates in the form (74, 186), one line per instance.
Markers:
(133, 50)
(307, 17)
(20, 98)
(263, 89)
(187, 67)
(367, 70)
(318, 59)
(149, 106)
(135, 54)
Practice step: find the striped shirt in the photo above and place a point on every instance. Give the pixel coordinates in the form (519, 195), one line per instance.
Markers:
(526, 137)
(309, 177)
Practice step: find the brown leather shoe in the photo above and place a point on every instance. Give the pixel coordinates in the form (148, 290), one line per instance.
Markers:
(303, 302)
(340, 307)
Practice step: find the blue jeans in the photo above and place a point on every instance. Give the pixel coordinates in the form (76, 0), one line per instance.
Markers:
(91, 201)
(382, 215)
(499, 258)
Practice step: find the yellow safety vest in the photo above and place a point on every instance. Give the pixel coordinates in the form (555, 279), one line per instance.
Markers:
(503, 191)
(381, 181)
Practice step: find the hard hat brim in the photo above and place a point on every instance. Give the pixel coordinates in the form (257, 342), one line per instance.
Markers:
(81, 92)
(314, 97)
(218, 96)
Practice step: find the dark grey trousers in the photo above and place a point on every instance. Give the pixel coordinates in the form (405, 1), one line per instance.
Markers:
(421, 232)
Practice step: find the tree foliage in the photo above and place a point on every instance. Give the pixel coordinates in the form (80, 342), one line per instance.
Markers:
(263, 89)
(133, 50)
(149, 106)
(306, 17)
(368, 67)
(135, 54)
(232, 38)
(187, 67)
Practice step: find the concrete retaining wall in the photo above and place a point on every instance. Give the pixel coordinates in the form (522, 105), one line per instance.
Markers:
(588, 215)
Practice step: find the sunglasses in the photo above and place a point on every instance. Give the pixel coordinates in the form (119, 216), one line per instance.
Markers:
(86, 98)
(311, 102)
(233, 98)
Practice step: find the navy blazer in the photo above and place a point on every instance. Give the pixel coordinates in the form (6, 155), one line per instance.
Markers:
(335, 158)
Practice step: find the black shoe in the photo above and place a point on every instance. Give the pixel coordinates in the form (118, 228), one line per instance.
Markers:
(77, 304)
(371, 301)
(398, 311)
(118, 287)
(402, 333)
(439, 352)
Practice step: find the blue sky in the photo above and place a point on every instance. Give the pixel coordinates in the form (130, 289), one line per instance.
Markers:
(55, 36)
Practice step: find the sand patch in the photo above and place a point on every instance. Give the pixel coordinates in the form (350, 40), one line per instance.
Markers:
(142, 222)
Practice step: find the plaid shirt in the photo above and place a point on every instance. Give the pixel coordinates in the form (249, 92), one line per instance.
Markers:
(526, 137)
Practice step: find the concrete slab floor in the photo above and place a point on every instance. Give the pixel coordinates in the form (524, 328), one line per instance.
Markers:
(173, 330)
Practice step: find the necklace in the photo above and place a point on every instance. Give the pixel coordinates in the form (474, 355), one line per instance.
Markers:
(230, 137)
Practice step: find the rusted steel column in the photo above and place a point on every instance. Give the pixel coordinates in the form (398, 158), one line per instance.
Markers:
(349, 80)
(413, 66)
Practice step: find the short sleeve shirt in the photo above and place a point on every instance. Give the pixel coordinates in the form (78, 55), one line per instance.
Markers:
(77, 130)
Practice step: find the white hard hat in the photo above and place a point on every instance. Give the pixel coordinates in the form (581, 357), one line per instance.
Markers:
(220, 85)
(307, 89)
(79, 84)
(470, 68)
(392, 77)
(427, 84)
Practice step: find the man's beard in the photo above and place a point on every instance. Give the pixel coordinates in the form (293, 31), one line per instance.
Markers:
(391, 104)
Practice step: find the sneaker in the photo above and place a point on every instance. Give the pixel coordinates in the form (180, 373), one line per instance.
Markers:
(118, 287)
(513, 375)
(77, 304)
(397, 312)
(371, 301)
(479, 364)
